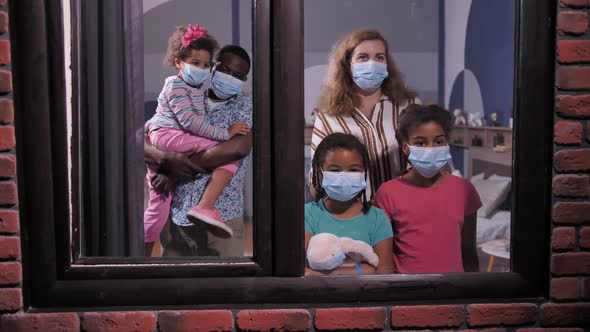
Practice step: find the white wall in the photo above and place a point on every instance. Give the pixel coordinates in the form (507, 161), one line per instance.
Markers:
(409, 26)
(456, 16)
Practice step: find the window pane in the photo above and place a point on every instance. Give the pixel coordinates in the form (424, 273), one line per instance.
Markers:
(451, 53)
(182, 99)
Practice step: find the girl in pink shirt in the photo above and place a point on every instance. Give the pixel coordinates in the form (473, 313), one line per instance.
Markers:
(433, 213)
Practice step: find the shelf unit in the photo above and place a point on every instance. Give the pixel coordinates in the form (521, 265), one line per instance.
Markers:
(464, 136)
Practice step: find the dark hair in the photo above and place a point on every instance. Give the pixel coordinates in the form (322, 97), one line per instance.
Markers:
(235, 50)
(331, 143)
(176, 51)
(415, 115)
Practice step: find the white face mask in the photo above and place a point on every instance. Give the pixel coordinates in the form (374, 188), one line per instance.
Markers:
(369, 75)
(429, 161)
(225, 86)
(194, 75)
(343, 186)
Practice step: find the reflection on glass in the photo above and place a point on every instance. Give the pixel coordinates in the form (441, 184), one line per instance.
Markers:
(358, 81)
(198, 113)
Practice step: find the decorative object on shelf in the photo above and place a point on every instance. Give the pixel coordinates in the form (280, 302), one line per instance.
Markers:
(476, 119)
(458, 117)
(476, 141)
(494, 120)
(498, 139)
(484, 137)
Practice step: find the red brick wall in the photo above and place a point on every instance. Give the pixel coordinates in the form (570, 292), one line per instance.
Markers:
(568, 309)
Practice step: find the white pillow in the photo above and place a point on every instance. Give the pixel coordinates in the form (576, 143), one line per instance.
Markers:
(492, 193)
(477, 177)
(499, 177)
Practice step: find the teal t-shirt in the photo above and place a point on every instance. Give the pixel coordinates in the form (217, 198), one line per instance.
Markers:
(372, 227)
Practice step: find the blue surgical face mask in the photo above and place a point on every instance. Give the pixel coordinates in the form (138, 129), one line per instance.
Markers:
(369, 75)
(429, 161)
(194, 75)
(225, 86)
(330, 263)
(343, 186)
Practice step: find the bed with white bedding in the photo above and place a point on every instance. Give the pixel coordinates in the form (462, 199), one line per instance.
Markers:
(494, 228)
(493, 183)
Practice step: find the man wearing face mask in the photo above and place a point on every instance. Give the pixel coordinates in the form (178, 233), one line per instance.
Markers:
(226, 104)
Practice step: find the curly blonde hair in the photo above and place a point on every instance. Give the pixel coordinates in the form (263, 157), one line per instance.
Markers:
(337, 96)
(176, 51)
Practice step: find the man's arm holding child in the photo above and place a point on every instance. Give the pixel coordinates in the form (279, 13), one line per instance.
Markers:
(173, 166)
(224, 153)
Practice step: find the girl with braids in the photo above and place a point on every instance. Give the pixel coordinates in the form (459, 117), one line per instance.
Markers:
(339, 179)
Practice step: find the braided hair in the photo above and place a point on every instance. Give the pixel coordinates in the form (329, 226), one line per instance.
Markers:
(331, 143)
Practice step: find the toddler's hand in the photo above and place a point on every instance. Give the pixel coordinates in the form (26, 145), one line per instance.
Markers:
(238, 128)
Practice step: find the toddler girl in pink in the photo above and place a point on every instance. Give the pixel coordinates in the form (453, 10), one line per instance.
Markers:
(179, 125)
(433, 213)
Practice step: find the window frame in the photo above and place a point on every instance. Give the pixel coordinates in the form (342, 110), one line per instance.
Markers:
(53, 278)
(89, 73)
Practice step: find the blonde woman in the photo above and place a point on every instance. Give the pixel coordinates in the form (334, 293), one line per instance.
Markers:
(363, 94)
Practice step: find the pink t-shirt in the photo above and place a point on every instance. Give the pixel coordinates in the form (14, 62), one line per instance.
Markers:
(427, 222)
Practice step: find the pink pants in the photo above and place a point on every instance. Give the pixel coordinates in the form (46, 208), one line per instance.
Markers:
(158, 209)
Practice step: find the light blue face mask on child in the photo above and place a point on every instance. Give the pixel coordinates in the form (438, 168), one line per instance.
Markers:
(330, 263)
(194, 75)
(369, 75)
(225, 86)
(343, 186)
(429, 161)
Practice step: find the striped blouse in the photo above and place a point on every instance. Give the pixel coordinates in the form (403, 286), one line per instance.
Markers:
(182, 107)
(377, 134)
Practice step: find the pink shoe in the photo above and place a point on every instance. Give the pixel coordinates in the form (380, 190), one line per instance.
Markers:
(215, 225)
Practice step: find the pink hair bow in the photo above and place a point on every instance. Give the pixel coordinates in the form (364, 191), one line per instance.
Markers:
(193, 33)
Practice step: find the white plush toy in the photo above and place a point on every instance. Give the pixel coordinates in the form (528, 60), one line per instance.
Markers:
(476, 119)
(459, 117)
(326, 251)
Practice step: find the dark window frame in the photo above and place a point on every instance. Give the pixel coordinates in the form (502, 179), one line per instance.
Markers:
(54, 278)
(91, 75)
